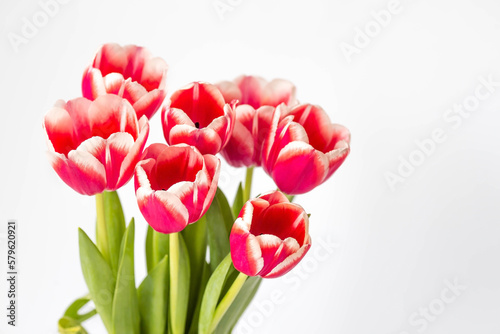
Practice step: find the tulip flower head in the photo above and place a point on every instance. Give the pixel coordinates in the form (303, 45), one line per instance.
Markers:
(129, 71)
(257, 92)
(175, 185)
(270, 236)
(198, 116)
(303, 148)
(95, 145)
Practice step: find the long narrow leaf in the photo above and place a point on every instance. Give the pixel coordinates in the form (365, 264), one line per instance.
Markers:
(98, 276)
(126, 319)
(212, 294)
(149, 249)
(199, 298)
(218, 236)
(238, 201)
(153, 299)
(195, 237)
(239, 305)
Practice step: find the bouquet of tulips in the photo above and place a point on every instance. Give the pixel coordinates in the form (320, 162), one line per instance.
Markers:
(205, 258)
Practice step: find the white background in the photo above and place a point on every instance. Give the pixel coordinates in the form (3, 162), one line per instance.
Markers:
(394, 248)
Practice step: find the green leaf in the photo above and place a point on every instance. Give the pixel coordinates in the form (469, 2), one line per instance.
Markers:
(125, 304)
(70, 323)
(179, 284)
(195, 237)
(110, 226)
(239, 305)
(219, 218)
(67, 325)
(203, 283)
(98, 276)
(72, 310)
(153, 299)
(228, 299)
(212, 294)
(149, 249)
(238, 201)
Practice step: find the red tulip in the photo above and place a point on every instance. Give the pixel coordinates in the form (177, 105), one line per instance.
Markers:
(250, 129)
(270, 236)
(257, 92)
(175, 185)
(128, 71)
(198, 116)
(94, 146)
(303, 149)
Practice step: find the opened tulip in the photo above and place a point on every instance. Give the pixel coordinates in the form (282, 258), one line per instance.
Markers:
(257, 92)
(270, 236)
(198, 116)
(95, 145)
(128, 71)
(250, 129)
(303, 149)
(175, 185)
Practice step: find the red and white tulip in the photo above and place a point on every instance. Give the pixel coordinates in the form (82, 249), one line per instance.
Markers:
(270, 236)
(198, 116)
(129, 71)
(303, 148)
(175, 185)
(95, 145)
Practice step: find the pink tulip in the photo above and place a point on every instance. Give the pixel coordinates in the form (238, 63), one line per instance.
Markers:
(129, 71)
(198, 116)
(175, 185)
(303, 148)
(95, 145)
(270, 236)
(257, 92)
(250, 129)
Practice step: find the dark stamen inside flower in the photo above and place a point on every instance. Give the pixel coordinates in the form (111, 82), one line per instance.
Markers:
(197, 124)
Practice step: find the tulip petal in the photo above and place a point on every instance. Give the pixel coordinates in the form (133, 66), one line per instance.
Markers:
(269, 246)
(202, 102)
(299, 168)
(118, 146)
(83, 170)
(283, 220)
(213, 166)
(149, 103)
(93, 84)
(251, 89)
(162, 210)
(289, 263)
(134, 154)
(206, 140)
(154, 73)
(245, 250)
(229, 90)
(240, 148)
(278, 91)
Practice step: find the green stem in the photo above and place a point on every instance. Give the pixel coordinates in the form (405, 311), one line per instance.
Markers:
(248, 184)
(101, 230)
(227, 300)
